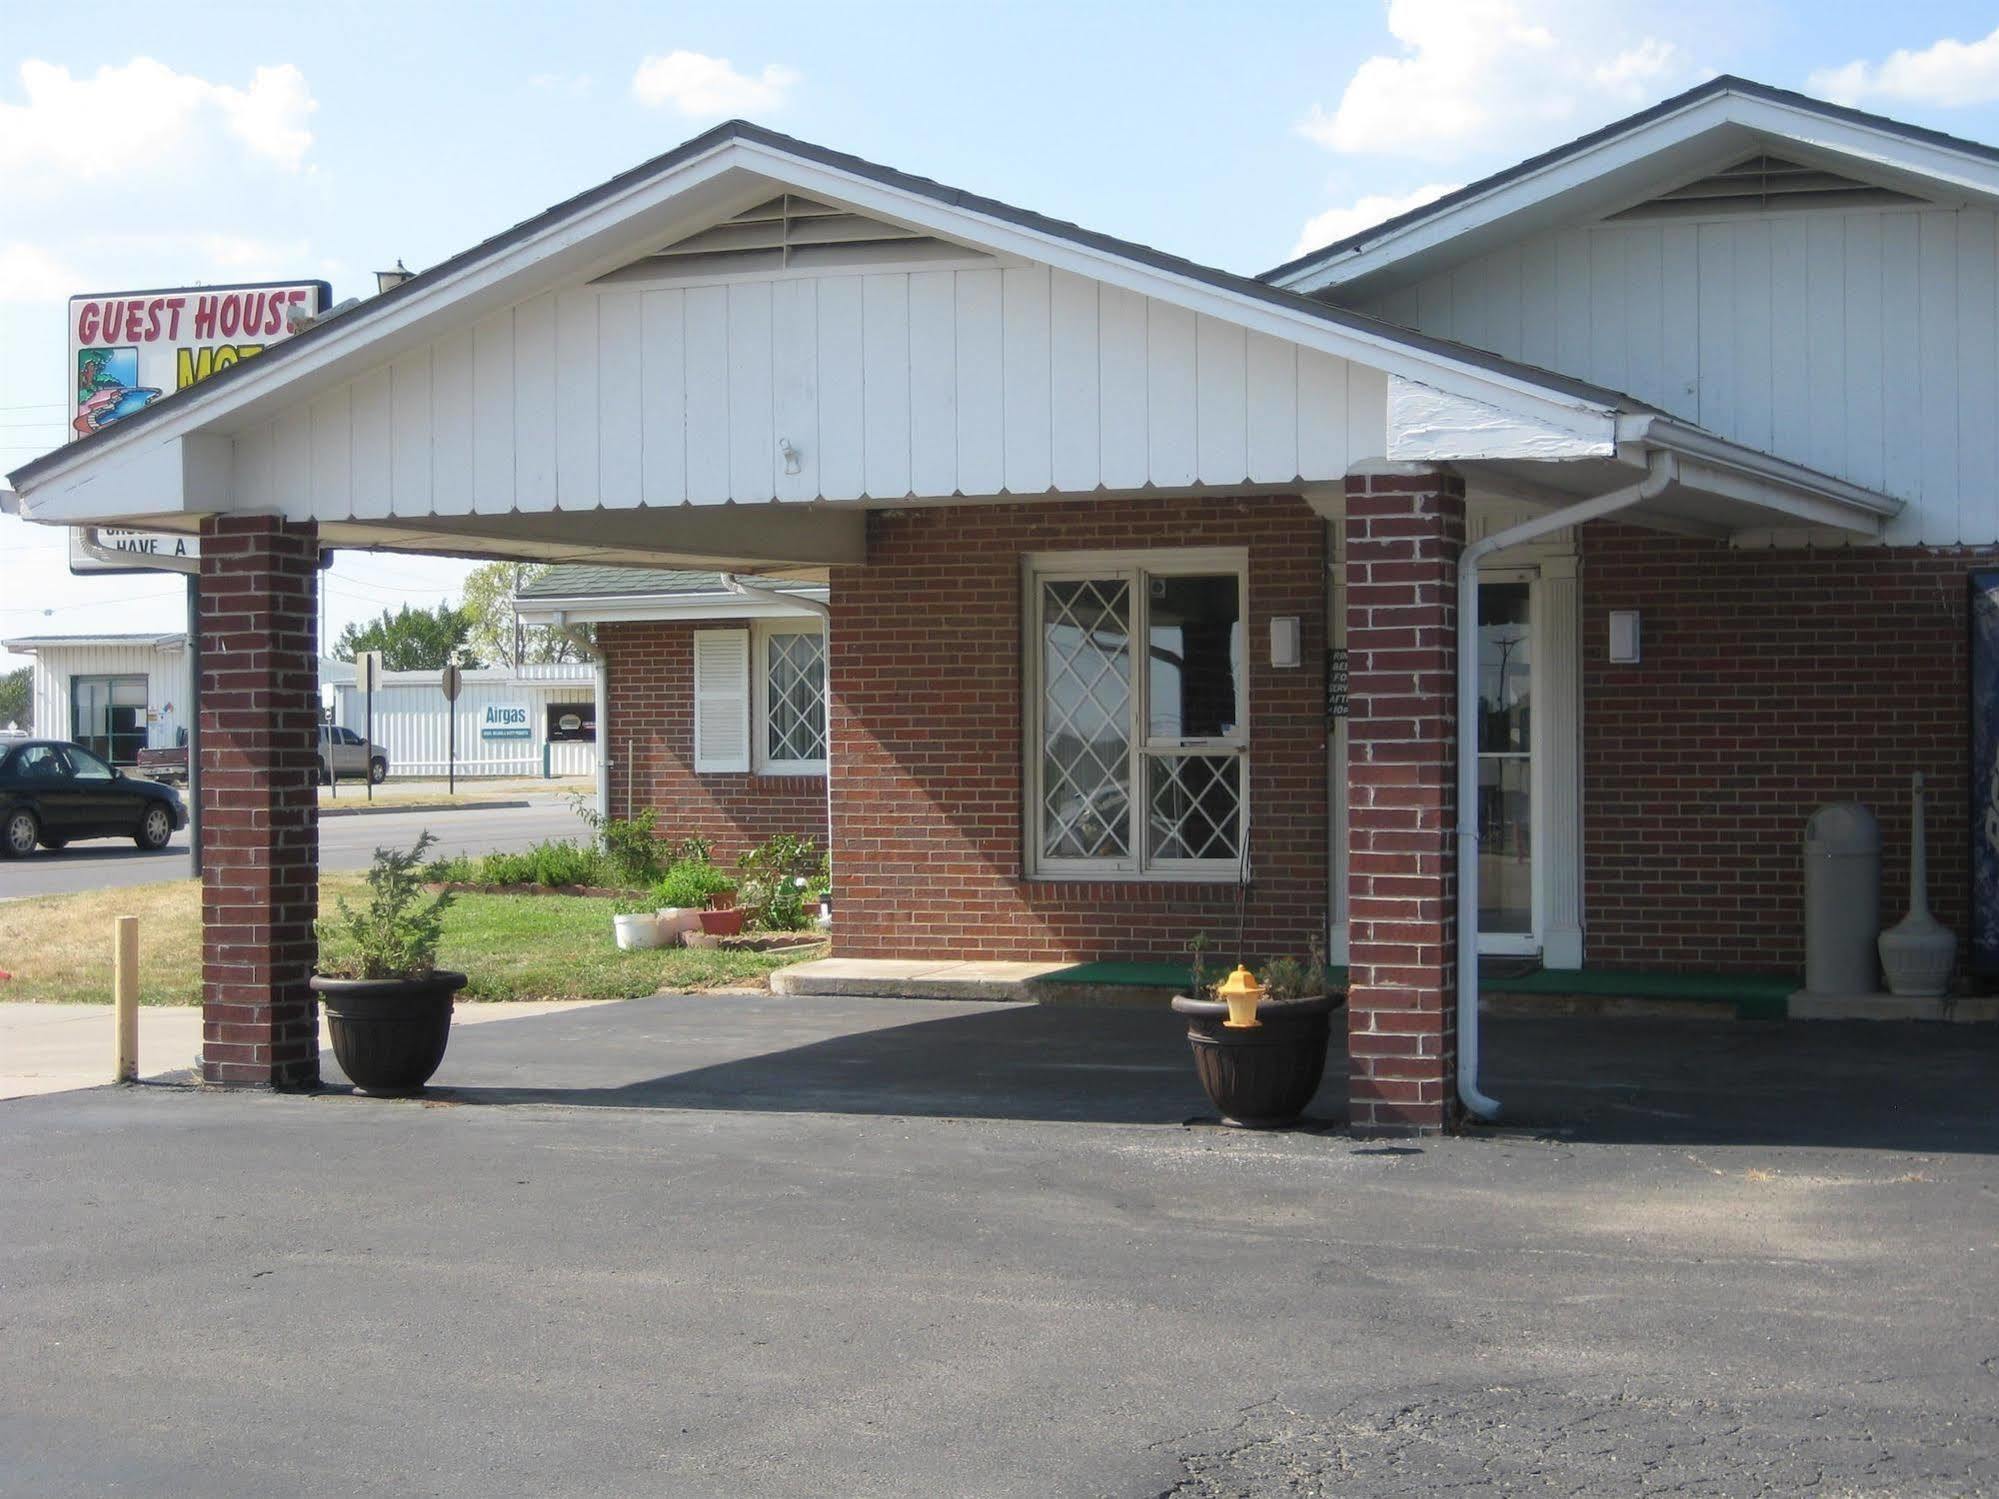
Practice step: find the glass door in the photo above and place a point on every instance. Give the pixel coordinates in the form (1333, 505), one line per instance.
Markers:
(1506, 914)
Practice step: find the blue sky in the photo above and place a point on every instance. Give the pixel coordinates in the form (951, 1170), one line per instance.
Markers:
(215, 142)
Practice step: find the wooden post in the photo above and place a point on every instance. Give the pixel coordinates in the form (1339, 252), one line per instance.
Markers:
(125, 997)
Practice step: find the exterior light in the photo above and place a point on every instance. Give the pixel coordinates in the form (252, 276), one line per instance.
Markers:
(789, 454)
(1624, 637)
(390, 280)
(1284, 650)
(1241, 990)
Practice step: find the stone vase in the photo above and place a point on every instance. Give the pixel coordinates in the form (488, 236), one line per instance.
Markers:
(1918, 952)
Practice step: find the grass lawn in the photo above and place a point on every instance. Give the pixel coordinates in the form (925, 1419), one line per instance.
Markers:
(58, 947)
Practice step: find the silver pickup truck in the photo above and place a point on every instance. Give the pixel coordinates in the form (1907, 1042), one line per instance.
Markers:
(344, 753)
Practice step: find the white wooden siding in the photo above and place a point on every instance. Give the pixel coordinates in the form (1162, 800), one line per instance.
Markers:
(1863, 344)
(888, 385)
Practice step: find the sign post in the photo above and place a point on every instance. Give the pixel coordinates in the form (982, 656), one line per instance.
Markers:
(368, 667)
(453, 680)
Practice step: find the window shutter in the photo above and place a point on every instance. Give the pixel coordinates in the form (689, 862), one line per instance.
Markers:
(721, 701)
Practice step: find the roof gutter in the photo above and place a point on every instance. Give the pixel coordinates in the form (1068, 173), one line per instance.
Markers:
(1662, 469)
(1805, 495)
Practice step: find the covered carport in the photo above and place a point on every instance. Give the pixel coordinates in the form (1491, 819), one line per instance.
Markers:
(756, 355)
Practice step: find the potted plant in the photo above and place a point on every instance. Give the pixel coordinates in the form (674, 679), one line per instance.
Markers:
(679, 899)
(722, 917)
(635, 922)
(388, 1004)
(1260, 1065)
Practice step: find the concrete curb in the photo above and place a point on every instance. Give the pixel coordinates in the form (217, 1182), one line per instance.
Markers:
(365, 809)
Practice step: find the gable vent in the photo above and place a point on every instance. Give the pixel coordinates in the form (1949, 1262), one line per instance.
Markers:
(1764, 184)
(790, 233)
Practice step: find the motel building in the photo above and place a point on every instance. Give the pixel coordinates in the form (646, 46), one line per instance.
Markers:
(1514, 578)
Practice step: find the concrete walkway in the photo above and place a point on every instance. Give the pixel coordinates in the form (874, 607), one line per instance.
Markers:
(54, 1048)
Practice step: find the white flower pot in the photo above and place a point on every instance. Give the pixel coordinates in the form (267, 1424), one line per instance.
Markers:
(676, 922)
(636, 930)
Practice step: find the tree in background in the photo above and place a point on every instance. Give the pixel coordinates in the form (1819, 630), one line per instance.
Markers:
(413, 639)
(17, 702)
(497, 633)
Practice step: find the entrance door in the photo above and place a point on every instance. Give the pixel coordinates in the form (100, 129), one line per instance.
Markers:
(1506, 904)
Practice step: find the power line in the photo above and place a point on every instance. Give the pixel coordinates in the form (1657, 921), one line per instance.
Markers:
(142, 598)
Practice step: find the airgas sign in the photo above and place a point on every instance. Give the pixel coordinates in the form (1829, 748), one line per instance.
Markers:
(505, 721)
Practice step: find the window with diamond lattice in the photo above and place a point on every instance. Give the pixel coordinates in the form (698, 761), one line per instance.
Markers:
(1137, 760)
(794, 700)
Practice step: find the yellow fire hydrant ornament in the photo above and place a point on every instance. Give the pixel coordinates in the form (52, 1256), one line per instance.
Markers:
(1242, 992)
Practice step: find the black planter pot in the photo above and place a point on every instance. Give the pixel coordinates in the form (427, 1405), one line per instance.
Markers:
(1263, 1076)
(389, 1034)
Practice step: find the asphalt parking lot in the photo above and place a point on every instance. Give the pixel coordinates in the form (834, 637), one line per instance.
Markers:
(741, 1245)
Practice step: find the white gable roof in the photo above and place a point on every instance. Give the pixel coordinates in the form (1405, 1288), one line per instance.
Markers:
(1705, 130)
(498, 404)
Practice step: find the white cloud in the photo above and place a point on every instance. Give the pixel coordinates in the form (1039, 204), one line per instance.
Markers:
(1338, 223)
(702, 87)
(123, 120)
(1477, 76)
(1946, 72)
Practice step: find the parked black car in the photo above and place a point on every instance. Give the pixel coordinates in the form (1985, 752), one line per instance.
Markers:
(53, 792)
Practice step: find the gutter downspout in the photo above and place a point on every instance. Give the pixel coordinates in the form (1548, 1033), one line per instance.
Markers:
(601, 695)
(1662, 469)
(763, 595)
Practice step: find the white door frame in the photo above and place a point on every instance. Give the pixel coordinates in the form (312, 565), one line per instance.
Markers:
(1549, 565)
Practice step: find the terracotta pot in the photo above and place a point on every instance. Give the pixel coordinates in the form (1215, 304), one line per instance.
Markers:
(725, 922)
(389, 1035)
(1263, 1076)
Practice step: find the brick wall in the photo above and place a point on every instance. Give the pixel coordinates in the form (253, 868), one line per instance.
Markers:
(1404, 534)
(1772, 682)
(927, 753)
(259, 802)
(650, 666)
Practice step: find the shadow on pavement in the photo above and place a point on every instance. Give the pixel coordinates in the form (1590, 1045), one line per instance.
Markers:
(1859, 1084)
(1908, 1087)
(1874, 1086)
(1008, 1062)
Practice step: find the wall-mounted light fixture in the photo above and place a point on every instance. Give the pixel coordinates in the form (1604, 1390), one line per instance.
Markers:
(1284, 649)
(789, 454)
(1624, 637)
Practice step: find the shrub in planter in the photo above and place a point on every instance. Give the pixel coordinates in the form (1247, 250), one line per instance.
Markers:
(778, 877)
(388, 1005)
(1262, 1075)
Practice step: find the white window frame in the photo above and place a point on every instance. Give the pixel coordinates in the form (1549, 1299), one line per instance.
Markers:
(1133, 568)
(760, 637)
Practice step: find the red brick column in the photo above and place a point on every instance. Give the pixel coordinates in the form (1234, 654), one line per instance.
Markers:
(1404, 532)
(259, 804)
